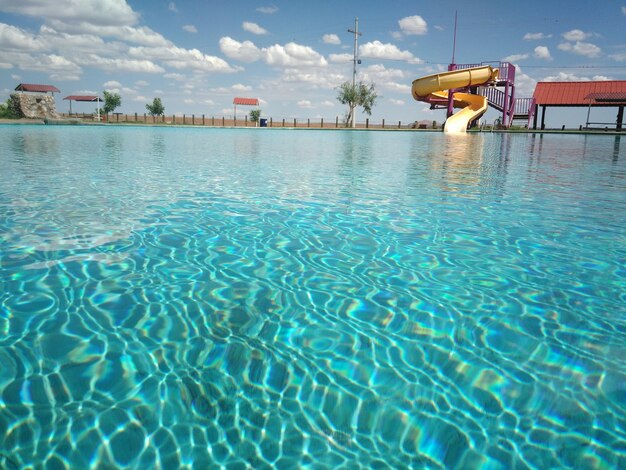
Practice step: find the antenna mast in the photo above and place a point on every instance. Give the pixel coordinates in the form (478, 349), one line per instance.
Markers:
(454, 40)
(355, 59)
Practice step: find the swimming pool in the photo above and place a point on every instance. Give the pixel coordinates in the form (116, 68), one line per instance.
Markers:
(274, 298)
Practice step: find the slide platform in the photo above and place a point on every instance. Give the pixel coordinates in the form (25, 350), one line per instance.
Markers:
(434, 89)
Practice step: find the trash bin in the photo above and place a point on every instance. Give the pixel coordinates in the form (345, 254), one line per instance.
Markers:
(263, 122)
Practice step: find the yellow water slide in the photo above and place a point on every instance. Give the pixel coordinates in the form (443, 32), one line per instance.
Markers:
(434, 89)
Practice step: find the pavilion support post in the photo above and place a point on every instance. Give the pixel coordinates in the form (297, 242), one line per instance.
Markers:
(535, 116)
(620, 118)
(588, 113)
(543, 117)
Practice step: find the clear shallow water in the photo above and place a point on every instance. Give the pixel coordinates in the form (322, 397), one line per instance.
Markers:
(269, 298)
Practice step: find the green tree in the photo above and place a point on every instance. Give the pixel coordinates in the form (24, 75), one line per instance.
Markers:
(359, 94)
(111, 101)
(156, 108)
(7, 110)
(255, 114)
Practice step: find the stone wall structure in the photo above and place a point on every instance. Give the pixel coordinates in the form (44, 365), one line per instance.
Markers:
(34, 105)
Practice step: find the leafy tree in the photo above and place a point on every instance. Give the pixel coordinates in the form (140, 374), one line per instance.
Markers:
(156, 108)
(357, 95)
(111, 101)
(255, 114)
(8, 111)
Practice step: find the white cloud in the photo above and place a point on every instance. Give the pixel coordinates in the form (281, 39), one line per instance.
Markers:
(341, 58)
(139, 35)
(141, 83)
(542, 52)
(585, 49)
(179, 77)
(331, 39)
(305, 104)
(172, 7)
(190, 28)
(379, 73)
(619, 57)
(536, 36)
(140, 98)
(17, 39)
(378, 50)
(244, 51)
(624, 10)
(180, 58)
(570, 77)
(293, 55)
(95, 12)
(515, 57)
(313, 78)
(253, 28)
(112, 84)
(268, 10)
(127, 65)
(241, 87)
(396, 87)
(576, 35)
(75, 44)
(209, 102)
(413, 25)
(397, 102)
(188, 101)
(14, 76)
(327, 104)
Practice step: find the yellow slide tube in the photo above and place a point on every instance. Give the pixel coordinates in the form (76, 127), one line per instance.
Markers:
(435, 87)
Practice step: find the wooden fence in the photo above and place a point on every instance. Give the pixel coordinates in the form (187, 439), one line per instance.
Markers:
(223, 121)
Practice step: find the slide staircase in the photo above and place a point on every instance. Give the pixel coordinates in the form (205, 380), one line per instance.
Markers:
(498, 92)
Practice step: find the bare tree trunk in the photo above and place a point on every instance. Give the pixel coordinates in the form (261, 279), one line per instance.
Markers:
(350, 119)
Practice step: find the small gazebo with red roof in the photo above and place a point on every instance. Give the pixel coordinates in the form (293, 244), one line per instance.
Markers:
(34, 88)
(84, 98)
(244, 102)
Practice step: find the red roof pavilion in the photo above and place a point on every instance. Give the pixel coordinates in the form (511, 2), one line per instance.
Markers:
(577, 93)
(246, 101)
(606, 93)
(37, 88)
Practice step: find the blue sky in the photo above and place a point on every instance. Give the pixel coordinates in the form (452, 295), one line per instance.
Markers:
(197, 55)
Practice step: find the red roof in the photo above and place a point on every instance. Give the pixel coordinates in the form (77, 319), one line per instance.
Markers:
(576, 93)
(82, 98)
(246, 101)
(37, 88)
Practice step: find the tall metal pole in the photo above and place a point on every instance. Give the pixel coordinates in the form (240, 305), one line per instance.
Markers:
(355, 59)
(452, 66)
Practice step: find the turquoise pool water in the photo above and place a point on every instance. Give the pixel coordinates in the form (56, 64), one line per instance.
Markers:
(189, 298)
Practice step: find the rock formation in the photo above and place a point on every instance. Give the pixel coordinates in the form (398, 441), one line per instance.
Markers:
(34, 105)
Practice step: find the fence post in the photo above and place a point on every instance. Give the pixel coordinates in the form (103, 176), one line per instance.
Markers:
(308, 122)
(222, 121)
(271, 122)
(184, 118)
(322, 123)
(337, 122)
(283, 122)
(383, 123)
(135, 117)
(294, 122)
(203, 119)
(212, 120)
(245, 120)
(163, 117)
(367, 123)
(399, 124)
(173, 118)
(193, 119)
